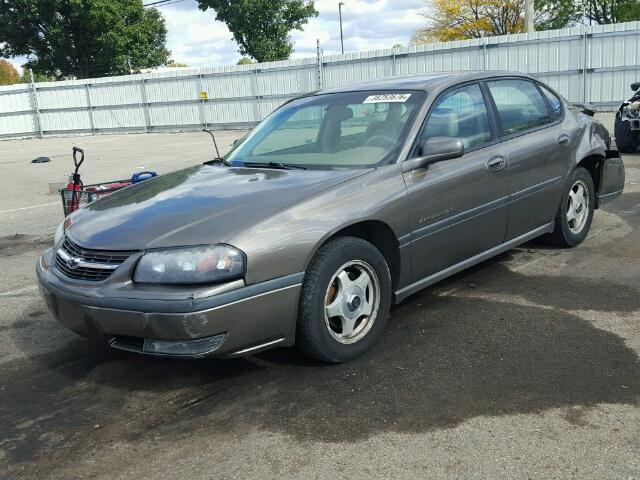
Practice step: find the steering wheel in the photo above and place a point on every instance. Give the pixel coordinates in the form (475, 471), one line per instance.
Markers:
(380, 141)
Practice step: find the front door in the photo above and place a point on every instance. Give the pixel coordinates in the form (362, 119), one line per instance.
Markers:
(458, 208)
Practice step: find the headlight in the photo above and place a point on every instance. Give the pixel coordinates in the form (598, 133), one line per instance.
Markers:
(193, 265)
(59, 234)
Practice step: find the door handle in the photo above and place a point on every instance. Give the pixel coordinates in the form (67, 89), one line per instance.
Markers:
(564, 140)
(497, 163)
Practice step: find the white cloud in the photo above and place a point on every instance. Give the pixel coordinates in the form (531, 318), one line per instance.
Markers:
(197, 39)
(18, 62)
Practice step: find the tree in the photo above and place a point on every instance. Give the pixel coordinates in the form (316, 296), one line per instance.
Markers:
(261, 28)
(245, 61)
(566, 13)
(172, 64)
(8, 73)
(461, 19)
(628, 11)
(83, 38)
(37, 77)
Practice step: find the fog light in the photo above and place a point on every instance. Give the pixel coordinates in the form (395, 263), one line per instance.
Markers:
(191, 348)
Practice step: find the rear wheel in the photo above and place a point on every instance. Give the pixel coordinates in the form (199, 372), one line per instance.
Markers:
(345, 301)
(575, 214)
(627, 140)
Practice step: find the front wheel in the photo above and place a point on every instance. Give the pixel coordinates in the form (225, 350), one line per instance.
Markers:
(344, 302)
(573, 221)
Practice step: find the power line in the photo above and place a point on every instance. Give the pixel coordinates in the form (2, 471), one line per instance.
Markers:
(161, 3)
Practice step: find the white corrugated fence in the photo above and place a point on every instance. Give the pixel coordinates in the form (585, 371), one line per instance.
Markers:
(593, 64)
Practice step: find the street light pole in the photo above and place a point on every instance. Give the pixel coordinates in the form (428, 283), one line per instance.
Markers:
(341, 35)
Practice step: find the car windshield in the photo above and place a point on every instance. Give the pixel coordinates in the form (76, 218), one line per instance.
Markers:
(338, 130)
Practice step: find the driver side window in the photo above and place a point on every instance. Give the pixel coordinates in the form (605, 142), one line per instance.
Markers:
(460, 114)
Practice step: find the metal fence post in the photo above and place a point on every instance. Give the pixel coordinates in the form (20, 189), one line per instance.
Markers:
(90, 107)
(201, 106)
(144, 107)
(485, 60)
(256, 91)
(36, 104)
(393, 62)
(585, 65)
(319, 62)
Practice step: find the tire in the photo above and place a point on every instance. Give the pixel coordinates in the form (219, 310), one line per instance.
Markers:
(627, 140)
(325, 291)
(572, 232)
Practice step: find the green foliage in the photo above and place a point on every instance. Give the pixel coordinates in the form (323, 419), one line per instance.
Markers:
(83, 38)
(629, 11)
(37, 77)
(172, 64)
(460, 19)
(8, 73)
(245, 61)
(566, 13)
(261, 28)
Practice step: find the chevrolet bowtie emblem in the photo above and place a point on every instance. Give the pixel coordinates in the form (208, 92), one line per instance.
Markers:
(73, 263)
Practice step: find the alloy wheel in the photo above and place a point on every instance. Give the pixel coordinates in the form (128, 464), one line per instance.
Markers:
(352, 302)
(578, 207)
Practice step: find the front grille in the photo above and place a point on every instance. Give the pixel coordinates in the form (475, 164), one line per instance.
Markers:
(91, 265)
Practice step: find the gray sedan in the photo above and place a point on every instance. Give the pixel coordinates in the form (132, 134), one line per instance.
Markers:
(338, 205)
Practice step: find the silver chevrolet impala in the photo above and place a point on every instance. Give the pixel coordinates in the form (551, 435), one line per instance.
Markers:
(338, 205)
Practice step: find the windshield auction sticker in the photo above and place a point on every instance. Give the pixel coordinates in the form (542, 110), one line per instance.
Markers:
(388, 98)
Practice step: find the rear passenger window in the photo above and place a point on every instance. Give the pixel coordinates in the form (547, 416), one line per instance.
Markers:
(520, 105)
(460, 114)
(554, 102)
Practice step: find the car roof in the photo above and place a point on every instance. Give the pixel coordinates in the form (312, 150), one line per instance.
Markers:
(422, 81)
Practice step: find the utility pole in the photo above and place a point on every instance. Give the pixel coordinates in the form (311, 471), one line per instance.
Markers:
(529, 14)
(341, 35)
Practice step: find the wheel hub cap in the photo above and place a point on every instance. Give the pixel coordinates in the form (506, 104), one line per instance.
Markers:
(578, 207)
(352, 302)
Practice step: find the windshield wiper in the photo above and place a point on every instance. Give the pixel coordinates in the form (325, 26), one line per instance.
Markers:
(277, 165)
(217, 161)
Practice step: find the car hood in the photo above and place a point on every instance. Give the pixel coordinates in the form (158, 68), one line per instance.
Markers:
(198, 205)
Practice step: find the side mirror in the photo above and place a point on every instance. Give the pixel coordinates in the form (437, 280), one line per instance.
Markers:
(434, 150)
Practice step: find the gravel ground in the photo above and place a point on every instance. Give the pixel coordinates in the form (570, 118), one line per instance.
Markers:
(526, 366)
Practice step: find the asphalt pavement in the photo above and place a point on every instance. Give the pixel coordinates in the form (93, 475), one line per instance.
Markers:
(526, 366)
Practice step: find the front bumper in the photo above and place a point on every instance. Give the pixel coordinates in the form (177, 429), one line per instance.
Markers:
(238, 322)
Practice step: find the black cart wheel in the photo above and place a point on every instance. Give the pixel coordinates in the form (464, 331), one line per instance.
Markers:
(345, 301)
(575, 214)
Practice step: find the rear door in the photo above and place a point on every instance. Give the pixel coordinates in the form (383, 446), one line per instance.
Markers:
(458, 208)
(533, 142)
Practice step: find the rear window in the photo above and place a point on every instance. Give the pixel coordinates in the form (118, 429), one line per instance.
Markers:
(520, 105)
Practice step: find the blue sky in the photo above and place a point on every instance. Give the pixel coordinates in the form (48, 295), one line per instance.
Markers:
(197, 39)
